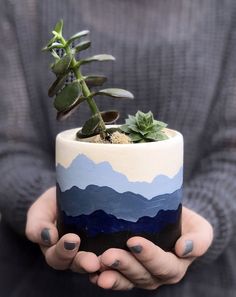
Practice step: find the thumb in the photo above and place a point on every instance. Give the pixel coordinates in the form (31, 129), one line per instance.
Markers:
(41, 218)
(197, 235)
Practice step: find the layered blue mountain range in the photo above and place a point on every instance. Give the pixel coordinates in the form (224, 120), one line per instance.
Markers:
(127, 206)
(84, 172)
(99, 223)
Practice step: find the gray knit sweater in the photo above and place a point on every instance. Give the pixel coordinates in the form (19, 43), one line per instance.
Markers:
(177, 56)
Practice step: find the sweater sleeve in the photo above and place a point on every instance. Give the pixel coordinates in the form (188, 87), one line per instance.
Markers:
(211, 191)
(26, 168)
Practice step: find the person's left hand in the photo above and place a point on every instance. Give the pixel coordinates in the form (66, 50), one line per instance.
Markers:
(148, 266)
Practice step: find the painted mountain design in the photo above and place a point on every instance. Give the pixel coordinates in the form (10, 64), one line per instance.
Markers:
(127, 206)
(105, 208)
(99, 222)
(102, 174)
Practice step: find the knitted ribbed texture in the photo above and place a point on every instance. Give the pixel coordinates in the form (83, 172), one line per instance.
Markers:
(177, 56)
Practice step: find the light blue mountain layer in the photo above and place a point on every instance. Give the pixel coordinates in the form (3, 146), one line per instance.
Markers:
(84, 172)
(127, 206)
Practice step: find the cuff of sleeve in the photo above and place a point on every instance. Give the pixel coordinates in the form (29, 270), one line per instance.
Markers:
(201, 201)
(26, 186)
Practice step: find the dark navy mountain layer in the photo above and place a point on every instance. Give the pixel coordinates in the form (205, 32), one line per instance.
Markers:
(100, 222)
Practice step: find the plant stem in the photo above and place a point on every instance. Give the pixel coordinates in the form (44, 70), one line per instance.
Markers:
(91, 102)
(86, 92)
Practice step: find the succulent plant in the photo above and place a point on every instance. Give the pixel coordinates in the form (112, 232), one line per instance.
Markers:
(144, 128)
(68, 97)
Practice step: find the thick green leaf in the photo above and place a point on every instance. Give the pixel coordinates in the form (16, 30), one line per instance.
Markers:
(149, 118)
(116, 93)
(90, 126)
(57, 85)
(136, 129)
(62, 115)
(59, 27)
(55, 55)
(95, 80)
(131, 120)
(112, 130)
(160, 124)
(52, 46)
(99, 58)
(77, 36)
(51, 41)
(144, 120)
(156, 136)
(142, 124)
(62, 65)
(125, 128)
(68, 96)
(82, 46)
(135, 137)
(110, 116)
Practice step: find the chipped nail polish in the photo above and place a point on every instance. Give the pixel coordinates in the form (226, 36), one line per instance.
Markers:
(137, 249)
(70, 246)
(188, 247)
(45, 235)
(115, 264)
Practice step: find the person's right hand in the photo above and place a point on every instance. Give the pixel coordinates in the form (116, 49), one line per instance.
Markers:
(63, 253)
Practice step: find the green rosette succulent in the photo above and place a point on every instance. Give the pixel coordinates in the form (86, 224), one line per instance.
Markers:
(144, 128)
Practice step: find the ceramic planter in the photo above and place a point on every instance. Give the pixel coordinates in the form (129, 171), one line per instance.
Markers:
(107, 193)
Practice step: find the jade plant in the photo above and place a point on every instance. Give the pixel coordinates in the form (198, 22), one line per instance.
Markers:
(68, 96)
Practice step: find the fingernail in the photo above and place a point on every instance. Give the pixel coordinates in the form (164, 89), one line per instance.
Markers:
(115, 264)
(188, 247)
(45, 235)
(70, 245)
(137, 249)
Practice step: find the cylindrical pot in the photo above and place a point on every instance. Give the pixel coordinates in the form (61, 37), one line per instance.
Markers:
(107, 193)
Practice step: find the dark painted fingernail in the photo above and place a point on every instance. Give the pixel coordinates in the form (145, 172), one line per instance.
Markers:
(137, 249)
(70, 246)
(45, 235)
(115, 264)
(188, 247)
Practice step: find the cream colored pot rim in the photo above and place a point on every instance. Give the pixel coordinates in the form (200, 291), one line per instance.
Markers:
(69, 136)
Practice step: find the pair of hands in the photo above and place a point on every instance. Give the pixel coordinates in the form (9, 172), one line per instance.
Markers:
(146, 265)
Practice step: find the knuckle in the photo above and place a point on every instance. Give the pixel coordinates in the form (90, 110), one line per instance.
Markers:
(150, 283)
(168, 271)
(176, 279)
(144, 279)
(130, 286)
(152, 286)
(164, 274)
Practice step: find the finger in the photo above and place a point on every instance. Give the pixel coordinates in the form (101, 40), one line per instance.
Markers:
(102, 266)
(41, 217)
(128, 265)
(111, 279)
(161, 264)
(60, 255)
(93, 277)
(197, 235)
(85, 262)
